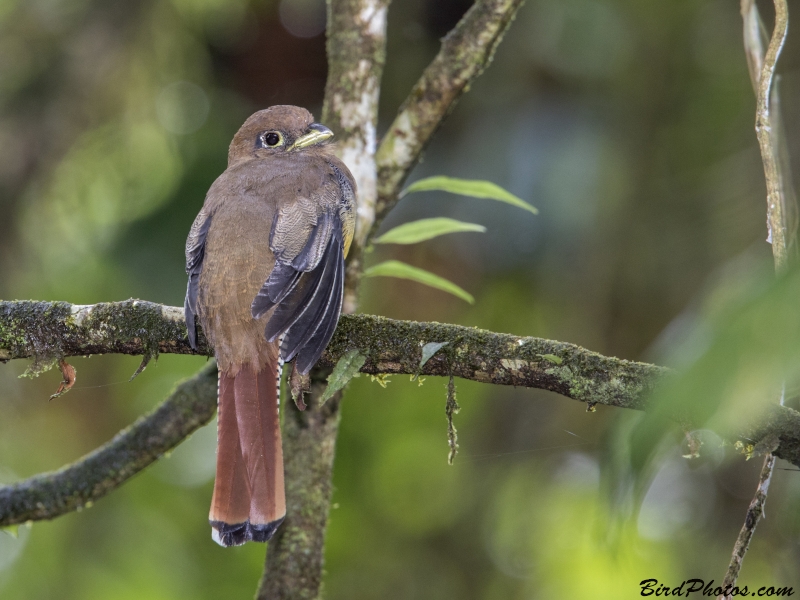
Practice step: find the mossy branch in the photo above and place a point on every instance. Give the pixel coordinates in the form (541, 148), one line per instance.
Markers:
(49, 331)
(295, 554)
(30, 330)
(356, 38)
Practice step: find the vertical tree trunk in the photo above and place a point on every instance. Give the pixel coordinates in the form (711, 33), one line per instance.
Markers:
(295, 555)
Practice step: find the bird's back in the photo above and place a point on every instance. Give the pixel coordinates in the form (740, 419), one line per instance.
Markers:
(243, 203)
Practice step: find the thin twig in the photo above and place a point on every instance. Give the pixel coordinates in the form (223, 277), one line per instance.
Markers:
(755, 37)
(451, 408)
(465, 53)
(772, 143)
(754, 513)
(767, 138)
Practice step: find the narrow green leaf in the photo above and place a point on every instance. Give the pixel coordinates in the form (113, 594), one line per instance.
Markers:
(429, 349)
(347, 368)
(468, 187)
(425, 229)
(395, 268)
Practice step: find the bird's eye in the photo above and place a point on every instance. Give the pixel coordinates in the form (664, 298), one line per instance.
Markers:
(271, 139)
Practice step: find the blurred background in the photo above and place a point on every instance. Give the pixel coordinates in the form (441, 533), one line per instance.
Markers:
(628, 124)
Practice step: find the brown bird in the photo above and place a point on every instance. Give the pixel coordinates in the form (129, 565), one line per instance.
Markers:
(265, 259)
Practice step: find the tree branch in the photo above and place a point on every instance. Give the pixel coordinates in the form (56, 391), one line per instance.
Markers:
(767, 138)
(390, 347)
(311, 435)
(356, 38)
(76, 486)
(356, 46)
(754, 513)
(49, 331)
(465, 53)
(770, 136)
(46, 331)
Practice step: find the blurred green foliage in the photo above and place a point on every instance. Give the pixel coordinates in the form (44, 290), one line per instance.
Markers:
(629, 125)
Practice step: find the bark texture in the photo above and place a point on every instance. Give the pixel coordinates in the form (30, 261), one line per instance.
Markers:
(294, 556)
(389, 346)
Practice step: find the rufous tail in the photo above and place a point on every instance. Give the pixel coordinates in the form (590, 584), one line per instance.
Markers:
(249, 501)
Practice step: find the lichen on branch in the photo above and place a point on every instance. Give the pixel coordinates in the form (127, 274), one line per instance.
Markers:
(390, 347)
(30, 329)
(48, 331)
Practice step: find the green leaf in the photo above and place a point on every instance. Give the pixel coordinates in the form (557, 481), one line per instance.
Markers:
(467, 187)
(425, 229)
(347, 368)
(429, 349)
(395, 268)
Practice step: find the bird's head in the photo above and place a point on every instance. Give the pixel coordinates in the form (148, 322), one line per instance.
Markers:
(277, 130)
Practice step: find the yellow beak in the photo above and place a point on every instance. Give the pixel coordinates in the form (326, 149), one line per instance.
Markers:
(316, 135)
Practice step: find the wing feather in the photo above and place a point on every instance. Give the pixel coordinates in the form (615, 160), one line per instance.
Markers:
(309, 238)
(286, 273)
(307, 303)
(313, 317)
(195, 252)
(297, 304)
(311, 351)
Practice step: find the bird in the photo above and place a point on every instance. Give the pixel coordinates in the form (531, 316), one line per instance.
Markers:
(265, 262)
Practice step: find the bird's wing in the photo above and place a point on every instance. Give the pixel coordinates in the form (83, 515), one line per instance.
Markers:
(307, 281)
(195, 251)
(347, 202)
(310, 312)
